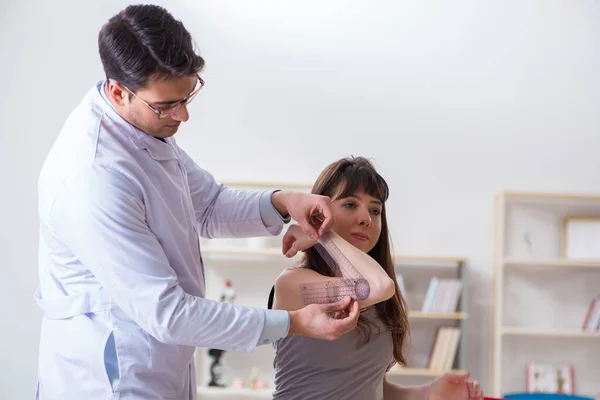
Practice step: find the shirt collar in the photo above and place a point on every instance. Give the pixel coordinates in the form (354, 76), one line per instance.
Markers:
(157, 149)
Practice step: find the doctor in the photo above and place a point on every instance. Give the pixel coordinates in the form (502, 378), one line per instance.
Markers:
(121, 208)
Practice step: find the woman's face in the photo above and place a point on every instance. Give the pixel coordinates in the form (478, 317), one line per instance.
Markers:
(358, 219)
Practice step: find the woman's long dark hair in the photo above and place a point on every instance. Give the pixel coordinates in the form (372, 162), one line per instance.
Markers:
(349, 176)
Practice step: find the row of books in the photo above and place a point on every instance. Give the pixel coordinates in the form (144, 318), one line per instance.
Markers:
(592, 318)
(442, 295)
(444, 348)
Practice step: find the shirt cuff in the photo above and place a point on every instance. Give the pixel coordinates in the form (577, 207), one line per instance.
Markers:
(277, 326)
(268, 213)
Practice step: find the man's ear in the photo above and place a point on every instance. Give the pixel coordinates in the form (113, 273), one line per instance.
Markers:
(117, 93)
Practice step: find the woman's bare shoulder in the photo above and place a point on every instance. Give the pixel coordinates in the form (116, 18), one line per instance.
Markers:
(294, 274)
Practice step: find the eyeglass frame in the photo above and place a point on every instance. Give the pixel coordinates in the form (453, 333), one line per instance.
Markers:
(176, 106)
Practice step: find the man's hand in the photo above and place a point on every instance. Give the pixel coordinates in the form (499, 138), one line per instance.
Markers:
(313, 212)
(452, 386)
(295, 240)
(325, 321)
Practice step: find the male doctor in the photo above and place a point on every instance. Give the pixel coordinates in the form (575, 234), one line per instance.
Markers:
(121, 208)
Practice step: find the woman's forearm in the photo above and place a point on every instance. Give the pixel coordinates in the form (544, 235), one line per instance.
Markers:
(363, 266)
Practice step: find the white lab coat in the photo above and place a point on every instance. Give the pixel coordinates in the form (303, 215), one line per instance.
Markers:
(121, 276)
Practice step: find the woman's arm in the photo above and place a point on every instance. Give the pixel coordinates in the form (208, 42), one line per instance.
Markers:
(297, 287)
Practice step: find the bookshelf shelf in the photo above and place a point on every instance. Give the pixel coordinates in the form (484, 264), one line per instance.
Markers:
(275, 253)
(431, 315)
(557, 333)
(243, 252)
(421, 372)
(539, 295)
(558, 263)
(428, 260)
(267, 185)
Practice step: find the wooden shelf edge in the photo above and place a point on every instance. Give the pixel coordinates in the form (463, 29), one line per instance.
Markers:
(421, 372)
(267, 185)
(434, 315)
(241, 251)
(518, 331)
(515, 195)
(549, 263)
(425, 259)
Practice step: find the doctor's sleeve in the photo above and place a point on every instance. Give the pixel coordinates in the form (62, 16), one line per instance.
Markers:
(100, 217)
(226, 212)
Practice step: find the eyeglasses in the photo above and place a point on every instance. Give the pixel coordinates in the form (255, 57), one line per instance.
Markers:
(172, 108)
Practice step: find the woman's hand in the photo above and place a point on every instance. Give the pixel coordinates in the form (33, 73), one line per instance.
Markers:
(295, 240)
(452, 386)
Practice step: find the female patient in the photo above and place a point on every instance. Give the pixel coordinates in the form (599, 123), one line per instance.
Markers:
(355, 365)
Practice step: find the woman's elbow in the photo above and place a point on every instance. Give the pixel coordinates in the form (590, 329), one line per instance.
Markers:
(385, 288)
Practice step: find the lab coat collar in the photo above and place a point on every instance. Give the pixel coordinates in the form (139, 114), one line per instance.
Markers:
(157, 149)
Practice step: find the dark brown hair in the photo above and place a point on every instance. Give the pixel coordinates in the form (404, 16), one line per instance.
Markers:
(144, 41)
(349, 176)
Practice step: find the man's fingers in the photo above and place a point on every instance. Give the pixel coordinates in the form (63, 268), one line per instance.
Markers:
(349, 322)
(337, 306)
(327, 218)
(342, 321)
(354, 311)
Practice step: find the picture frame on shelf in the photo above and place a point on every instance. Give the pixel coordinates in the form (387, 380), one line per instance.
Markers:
(547, 378)
(580, 238)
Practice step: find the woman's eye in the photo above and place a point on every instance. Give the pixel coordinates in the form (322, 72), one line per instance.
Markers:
(376, 211)
(349, 205)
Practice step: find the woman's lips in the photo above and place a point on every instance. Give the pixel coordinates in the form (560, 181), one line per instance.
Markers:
(361, 236)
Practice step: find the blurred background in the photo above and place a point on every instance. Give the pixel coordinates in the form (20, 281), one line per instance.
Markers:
(454, 101)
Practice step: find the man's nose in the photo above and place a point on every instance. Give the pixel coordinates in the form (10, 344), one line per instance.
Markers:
(181, 114)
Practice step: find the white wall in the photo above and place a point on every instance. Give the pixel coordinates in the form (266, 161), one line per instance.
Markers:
(453, 101)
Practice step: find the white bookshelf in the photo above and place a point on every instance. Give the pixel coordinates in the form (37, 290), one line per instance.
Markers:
(417, 272)
(539, 297)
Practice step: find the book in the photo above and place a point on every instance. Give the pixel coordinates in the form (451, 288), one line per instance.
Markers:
(443, 351)
(592, 318)
(442, 295)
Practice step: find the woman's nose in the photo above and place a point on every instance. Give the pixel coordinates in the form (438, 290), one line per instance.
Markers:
(365, 217)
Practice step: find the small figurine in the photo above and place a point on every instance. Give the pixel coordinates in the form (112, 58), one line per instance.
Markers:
(228, 295)
(560, 382)
(255, 381)
(238, 384)
(216, 367)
